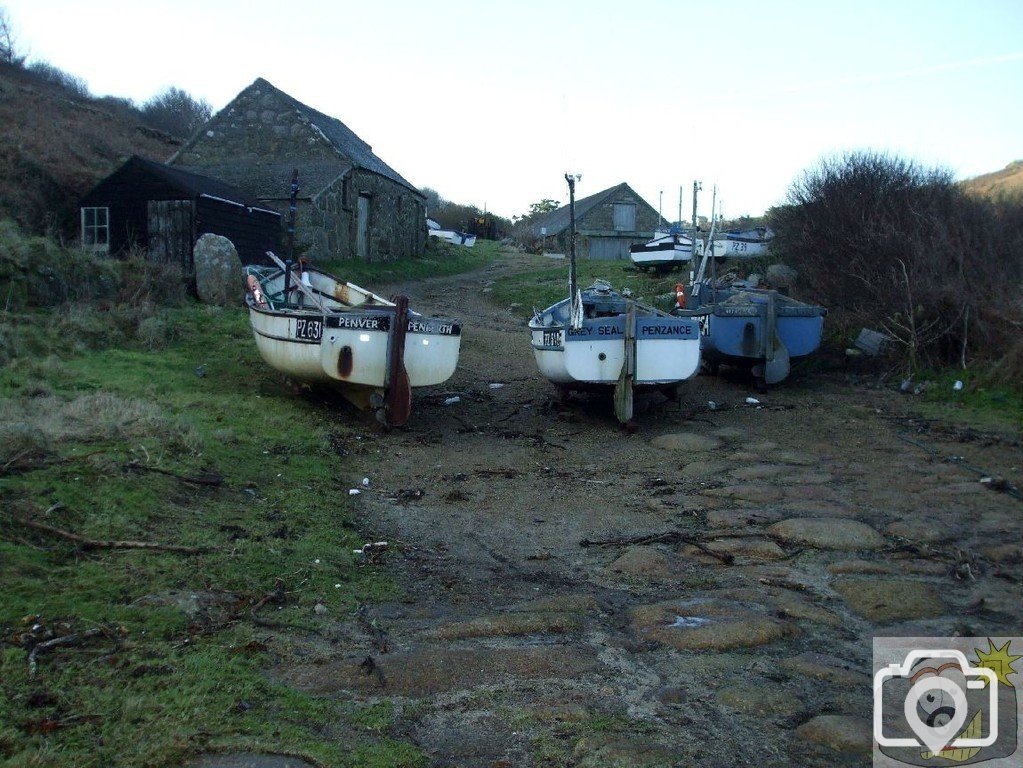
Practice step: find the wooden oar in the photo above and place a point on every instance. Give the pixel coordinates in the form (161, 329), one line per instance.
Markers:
(398, 400)
(297, 281)
(623, 389)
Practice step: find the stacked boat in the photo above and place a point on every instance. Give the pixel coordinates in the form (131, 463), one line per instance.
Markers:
(666, 251)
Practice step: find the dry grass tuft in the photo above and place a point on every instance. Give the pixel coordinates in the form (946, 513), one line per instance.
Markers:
(34, 427)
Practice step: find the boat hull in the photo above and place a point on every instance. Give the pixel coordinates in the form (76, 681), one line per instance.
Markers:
(662, 252)
(352, 348)
(743, 336)
(667, 351)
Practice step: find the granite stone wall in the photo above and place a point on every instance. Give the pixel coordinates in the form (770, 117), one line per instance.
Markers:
(254, 141)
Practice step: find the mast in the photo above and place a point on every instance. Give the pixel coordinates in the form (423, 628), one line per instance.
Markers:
(697, 186)
(289, 259)
(572, 281)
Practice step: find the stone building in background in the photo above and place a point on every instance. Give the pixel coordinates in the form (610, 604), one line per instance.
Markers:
(606, 223)
(352, 205)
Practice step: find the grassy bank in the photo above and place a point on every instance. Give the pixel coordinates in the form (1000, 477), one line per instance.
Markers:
(161, 425)
(440, 259)
(542, 287)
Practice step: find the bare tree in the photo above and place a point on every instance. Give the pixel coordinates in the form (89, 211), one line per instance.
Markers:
(176, 112)
(8, 43)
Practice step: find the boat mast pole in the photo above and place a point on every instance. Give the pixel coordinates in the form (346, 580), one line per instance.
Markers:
(289, 261)
(572, 282)
(697, 186)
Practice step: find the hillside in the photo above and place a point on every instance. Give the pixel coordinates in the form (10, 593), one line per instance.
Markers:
(54, 146)
(1008, 181)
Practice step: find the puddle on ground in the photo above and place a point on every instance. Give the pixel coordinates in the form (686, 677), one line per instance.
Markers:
(689, 622)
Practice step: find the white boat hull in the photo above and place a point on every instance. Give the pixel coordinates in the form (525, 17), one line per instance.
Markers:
(667, 351)
(334, 332)
(664, 251)
(352, 348)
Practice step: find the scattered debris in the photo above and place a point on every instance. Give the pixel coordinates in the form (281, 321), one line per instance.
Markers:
(354, 491)
(372, 551)
(74, 639)
(319, 609)
(87, 543)
(409, 494)
(958, 386)
(871, 343)
(752, 401)
(496, 385)
(373, 628)
(365, 482)
(207, 478)
(452, 400)
(200, 371)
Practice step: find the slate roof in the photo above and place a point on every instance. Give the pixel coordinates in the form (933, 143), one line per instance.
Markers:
(273, 180)
(557, 221)
(194, 184)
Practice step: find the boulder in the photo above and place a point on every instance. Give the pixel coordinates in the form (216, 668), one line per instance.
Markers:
(217, 271)
(780, 276)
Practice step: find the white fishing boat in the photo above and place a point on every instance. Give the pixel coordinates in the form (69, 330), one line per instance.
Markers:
(598, 337)
(317, 328)
(454, 237)
(667, 251)
(745, 244)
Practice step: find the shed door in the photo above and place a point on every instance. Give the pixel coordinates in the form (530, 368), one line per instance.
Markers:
(362, 228)
(608, 248)
(625, 217)
(171, 226)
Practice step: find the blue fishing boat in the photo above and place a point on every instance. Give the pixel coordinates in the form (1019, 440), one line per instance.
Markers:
(743, 324)
(757, 327)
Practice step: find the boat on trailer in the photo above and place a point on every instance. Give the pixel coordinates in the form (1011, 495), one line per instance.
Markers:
(600, 338)
(319, 329)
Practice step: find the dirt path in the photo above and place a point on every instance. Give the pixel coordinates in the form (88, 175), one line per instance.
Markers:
(803, 528)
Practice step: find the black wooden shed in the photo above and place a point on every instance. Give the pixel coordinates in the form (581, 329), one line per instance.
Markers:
(165, 210)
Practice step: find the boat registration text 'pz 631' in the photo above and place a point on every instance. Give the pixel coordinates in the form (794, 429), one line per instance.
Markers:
(308, 330)
(552, 338)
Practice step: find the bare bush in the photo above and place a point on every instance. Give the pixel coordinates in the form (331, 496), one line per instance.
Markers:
(887, 243)
(48, 73)
(176, 112)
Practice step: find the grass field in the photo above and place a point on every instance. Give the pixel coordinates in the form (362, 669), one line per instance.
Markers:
(440, 259)
(177, 661)
(542, 287)
(124, 419)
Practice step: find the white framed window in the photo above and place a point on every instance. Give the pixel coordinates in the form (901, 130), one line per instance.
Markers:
(96, 228)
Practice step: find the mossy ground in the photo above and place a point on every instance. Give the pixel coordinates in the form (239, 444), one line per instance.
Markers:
(181, 665)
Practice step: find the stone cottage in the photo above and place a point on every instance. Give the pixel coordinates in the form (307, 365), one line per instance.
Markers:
(351, 204)
(606, 224)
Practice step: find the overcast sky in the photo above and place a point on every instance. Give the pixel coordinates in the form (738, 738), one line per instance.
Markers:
(491, 103)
